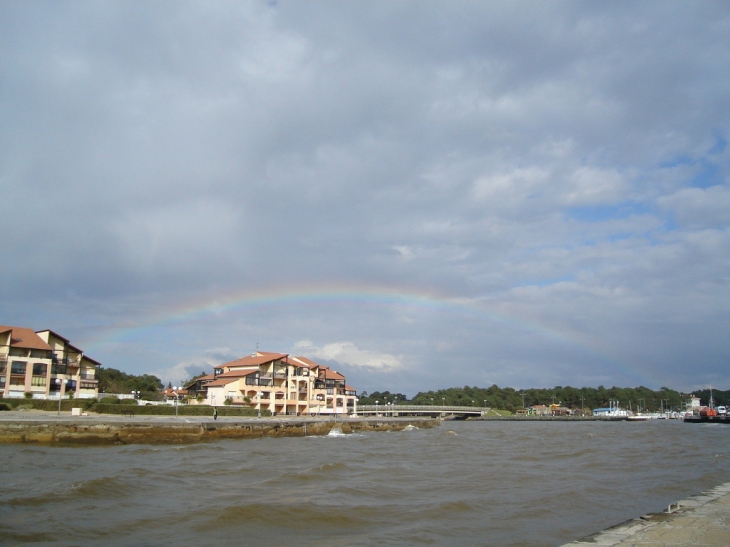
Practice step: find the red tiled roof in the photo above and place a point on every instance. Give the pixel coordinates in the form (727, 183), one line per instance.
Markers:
(254, 360)
(329, 374)
(237, 373)
(171, 392)
(200, 379)
(307, 362)
(22, 337)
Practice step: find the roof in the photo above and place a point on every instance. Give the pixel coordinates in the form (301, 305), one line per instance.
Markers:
(56, 335)
(199, 379)
(272, 354)
(23, 337)
(171, 392)
(254, 360)
(329, 374)
(305, 362)
(237, 373)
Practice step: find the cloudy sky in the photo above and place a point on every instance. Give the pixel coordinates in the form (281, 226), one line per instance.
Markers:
(420, 194)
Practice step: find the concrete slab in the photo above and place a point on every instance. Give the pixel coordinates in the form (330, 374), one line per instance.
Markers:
(700, 521)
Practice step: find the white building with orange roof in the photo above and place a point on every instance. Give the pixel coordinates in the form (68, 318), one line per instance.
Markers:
(281, 384)
(44, 364)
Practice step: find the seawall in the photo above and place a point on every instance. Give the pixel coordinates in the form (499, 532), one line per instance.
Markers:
(702, 520)
(101, 431)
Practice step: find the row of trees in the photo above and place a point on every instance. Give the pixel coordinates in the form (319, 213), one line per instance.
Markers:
(587, 397)
(112, 380)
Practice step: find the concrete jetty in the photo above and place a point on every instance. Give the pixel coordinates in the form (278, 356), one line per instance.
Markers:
(700, 521)
(99, 429)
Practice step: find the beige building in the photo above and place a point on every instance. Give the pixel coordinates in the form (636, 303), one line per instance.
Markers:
(45, 365)
(280, 384)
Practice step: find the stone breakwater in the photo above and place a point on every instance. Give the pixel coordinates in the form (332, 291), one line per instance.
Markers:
(99, 431)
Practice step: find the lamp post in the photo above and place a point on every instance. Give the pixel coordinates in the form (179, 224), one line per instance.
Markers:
(135, 395)
(376, 407)
(60, 382)
(174, 390)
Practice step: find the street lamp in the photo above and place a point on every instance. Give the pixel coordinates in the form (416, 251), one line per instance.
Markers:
(174, 390)
(59, 382)
(376, 407)
(135, 395)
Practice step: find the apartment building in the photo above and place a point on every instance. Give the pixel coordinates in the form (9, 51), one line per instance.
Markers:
(44, 364)
(281, 384)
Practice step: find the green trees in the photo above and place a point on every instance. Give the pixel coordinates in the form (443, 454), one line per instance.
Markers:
(586, 397)
(381, 397)
(112, 380)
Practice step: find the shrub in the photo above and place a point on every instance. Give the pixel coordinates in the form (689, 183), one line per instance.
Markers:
(169, 410)
(28, 395)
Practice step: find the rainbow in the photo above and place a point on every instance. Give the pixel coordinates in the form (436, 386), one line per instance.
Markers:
(317, 295)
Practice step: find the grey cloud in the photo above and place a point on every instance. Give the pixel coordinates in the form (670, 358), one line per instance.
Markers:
(539, 158)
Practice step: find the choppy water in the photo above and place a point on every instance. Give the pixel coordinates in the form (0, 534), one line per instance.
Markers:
(464, 483)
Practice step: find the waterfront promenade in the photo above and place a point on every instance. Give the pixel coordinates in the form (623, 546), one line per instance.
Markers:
(699, 521)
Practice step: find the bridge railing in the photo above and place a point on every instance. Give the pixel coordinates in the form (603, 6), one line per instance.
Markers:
(421, 409)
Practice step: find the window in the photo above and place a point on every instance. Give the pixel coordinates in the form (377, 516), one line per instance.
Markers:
(17, 381)
(39, 354)
(18, 352)
(58, 369)
(38, 381)
(88, 385)
(3, 367)
(39, 369)
(18, 367)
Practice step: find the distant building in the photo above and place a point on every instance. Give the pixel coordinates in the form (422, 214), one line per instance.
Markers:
(279, 383)
(44, 364)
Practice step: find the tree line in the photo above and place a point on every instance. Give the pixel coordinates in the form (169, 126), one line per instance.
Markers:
(112, 380)
(586, 397)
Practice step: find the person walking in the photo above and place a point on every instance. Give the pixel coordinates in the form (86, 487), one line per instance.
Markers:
(215, 413)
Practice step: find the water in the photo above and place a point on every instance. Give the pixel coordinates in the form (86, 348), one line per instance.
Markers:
(528, 484)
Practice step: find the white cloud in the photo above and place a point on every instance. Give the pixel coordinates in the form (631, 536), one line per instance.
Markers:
(347, 353)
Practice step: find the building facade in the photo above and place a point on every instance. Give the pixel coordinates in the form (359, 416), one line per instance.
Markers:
(44, 364)
(281, 384)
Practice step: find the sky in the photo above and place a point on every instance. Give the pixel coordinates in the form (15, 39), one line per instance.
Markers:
(418, 194)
